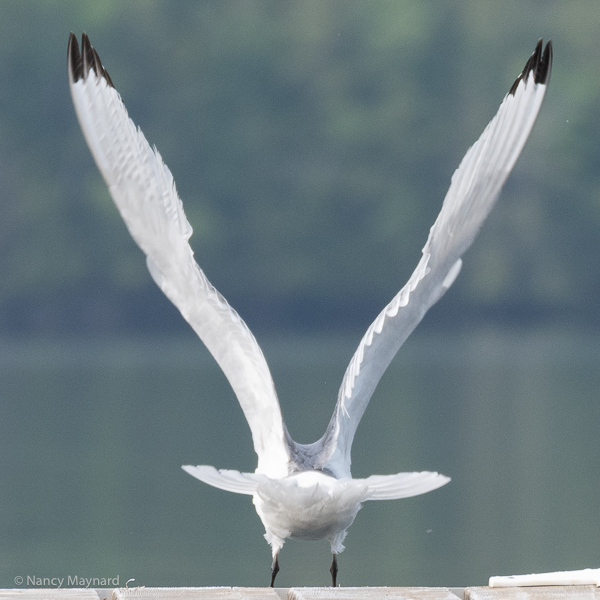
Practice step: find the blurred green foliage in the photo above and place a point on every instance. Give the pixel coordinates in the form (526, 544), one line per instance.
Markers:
(312, 143)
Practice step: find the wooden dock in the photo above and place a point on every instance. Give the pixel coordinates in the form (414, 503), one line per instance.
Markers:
(571, 592)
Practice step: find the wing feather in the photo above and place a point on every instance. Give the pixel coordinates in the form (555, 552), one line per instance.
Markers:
(473, 191)
(143, 189)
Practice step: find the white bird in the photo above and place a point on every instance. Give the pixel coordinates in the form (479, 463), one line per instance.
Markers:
(299, 491)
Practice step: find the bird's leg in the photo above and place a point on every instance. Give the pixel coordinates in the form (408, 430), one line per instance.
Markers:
(334, 571)
(274, 570)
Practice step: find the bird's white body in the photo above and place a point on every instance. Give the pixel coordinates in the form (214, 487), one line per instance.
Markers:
(300, 491)
(312, 505)
(309, 506)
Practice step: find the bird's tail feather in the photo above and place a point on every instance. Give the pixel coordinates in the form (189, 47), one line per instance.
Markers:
(403, 485)
(225, 479)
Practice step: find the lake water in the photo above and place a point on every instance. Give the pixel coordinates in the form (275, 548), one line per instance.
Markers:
(92, 437)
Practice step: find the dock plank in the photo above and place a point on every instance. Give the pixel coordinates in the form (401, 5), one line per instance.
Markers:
(371, 593)
(200, 593)
(49, 594)
(549, 592)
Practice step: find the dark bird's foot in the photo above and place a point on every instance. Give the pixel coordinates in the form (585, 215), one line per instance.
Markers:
(334, 571)
(274, 570)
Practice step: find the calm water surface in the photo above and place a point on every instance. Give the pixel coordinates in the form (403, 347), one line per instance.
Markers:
(92, 437)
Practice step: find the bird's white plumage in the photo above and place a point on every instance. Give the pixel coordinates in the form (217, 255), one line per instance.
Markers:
(378, 487)
(302, 491)
(474, 188)
(403, 485)
(227, 479)
(144, 191)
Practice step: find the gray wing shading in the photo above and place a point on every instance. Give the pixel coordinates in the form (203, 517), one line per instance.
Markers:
(143, 189)
(403, 485)
(226, 479)
(473, 191)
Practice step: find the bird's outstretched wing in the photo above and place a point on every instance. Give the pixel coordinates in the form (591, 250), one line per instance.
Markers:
(474, 188)
(144, 191)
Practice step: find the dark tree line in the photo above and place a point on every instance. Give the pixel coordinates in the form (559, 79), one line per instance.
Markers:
(312, 144)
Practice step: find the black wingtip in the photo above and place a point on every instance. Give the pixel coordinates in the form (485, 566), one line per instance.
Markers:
(544, 68)
(74, 62)
(539, 63)
(80, 63)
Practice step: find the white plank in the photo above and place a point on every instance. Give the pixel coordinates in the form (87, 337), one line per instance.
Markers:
(199, 593)
(554, 592)
(371, 593)
(49, 594)
(579, 577)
